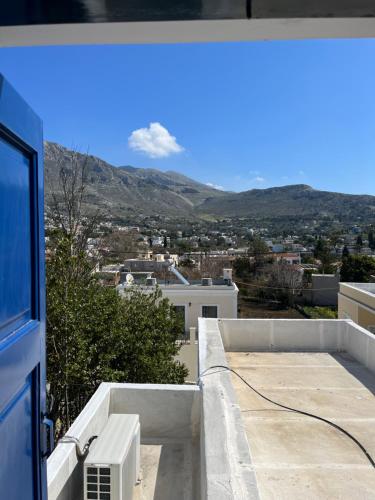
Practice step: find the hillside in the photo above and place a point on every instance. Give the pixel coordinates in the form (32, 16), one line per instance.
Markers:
(121, 191)
(299, 199)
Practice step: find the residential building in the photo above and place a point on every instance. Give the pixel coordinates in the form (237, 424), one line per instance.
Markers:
(206, 298)
(288, 258)
(356, 301)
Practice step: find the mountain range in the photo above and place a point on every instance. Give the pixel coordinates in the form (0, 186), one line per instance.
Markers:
(123, 191)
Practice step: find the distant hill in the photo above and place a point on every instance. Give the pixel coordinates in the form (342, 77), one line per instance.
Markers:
(296, 200)
(123, 191)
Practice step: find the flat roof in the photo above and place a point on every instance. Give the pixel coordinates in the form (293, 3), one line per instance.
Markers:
(295, 456)
(365, 287)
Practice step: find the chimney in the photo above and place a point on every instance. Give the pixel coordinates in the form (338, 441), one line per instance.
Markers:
(227, 276)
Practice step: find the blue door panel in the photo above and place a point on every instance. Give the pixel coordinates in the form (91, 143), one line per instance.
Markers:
(19, 354)
(22, 301)
(16, 267)
(16, 435)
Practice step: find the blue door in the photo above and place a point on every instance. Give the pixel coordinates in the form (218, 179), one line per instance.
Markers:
(22, 301)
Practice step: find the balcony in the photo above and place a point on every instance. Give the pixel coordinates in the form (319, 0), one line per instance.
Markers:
(219, 439)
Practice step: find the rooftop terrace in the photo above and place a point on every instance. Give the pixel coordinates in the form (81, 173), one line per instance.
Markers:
(325, 367)
(219, 440)
(294, 455)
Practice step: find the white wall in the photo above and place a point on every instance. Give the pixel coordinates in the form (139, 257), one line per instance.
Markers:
(281, 334)
(194, 298)
(299, 335)
(188, 355)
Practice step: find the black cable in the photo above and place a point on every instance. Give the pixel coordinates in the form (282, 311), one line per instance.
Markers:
(332, 424)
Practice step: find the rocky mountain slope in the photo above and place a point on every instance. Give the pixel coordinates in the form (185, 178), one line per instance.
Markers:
(123, 191)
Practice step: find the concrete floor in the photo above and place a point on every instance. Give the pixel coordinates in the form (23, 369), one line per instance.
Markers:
(295, 456)
(166, 472)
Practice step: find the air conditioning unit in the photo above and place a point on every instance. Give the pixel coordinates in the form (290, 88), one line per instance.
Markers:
(111, 468)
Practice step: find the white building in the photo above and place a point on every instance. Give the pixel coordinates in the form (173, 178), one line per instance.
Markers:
(288, 258)
(208, 298)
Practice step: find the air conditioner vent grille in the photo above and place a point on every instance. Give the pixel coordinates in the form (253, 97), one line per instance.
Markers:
(98, 483)
(111, 467)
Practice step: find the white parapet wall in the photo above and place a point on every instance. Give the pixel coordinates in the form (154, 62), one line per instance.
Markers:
(225, 452)
(282, 334)
(323, 335)
(360, 344)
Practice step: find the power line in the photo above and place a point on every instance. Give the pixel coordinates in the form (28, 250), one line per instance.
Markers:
(283, 287)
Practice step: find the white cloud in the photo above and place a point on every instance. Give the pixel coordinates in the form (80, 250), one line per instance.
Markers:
(301, 172)
(258, 179)
(254, 172)
(215, 186)
(155, 141)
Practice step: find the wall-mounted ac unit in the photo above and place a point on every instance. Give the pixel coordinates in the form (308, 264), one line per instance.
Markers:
(111, 468)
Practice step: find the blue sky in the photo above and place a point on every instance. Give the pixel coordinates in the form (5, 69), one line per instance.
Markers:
(236, 115)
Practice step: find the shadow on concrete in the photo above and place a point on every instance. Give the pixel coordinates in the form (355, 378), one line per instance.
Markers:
(360, 372)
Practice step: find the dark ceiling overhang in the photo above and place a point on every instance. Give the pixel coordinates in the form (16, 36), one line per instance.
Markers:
(44, 12)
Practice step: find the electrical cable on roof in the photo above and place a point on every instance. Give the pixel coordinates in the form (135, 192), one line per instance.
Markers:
(332, 424)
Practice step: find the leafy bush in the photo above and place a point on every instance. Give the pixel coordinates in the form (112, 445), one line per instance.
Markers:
(94, 335)
(320, 312)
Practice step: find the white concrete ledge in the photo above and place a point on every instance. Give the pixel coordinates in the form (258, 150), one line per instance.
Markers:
(225, 454)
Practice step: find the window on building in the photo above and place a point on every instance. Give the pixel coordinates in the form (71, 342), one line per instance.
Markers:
(209, 311)
(180, 311)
